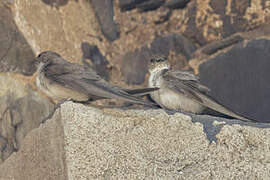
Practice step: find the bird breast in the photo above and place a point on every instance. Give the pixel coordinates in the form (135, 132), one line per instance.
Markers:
(171, 99)
(178, 101)
(55, 90)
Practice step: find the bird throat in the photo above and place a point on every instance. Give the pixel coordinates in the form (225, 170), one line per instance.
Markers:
(156, 74)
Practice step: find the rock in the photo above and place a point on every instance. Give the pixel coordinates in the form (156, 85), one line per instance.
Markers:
(8, 132)
(161, 45)
(105, 13)
(16, 54)
(172, 42)
(126, 5)
(82, 142)
(55, 3)
(9, 149)
(65, 29)
(62, 30)
(150, 5)
(134, 66)
(41, 155)
(164, 18)
(214, 47)
(176, 4)
(8, 2)
(191, 29)
(3, 143)
(98, 61)
(237, 78)
(203, 54)
(31, 119)
(21, 110)
(212, 20)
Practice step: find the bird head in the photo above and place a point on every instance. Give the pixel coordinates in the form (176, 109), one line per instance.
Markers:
(45, 57)
(158, 63)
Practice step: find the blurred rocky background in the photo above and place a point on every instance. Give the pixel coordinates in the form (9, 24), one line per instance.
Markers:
(226, 43)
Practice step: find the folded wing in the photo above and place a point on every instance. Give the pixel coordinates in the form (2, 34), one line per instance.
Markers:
(186, 83)
(86, 81)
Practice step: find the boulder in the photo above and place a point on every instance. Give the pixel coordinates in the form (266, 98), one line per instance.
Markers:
(177, 48)
(237, 78)
(105, 15)
(207, 21)
(21, 110)
(16, 54)
(82, 142)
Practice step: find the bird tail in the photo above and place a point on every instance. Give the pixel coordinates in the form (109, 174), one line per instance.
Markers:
(122, 95)
(140, 92)
(119, 93)
(215, 105)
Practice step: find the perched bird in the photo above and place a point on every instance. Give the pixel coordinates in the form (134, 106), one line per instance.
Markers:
(62, 80)
(181, 90)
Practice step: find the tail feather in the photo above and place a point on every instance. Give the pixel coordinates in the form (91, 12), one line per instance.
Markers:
(213, 104)
(140, 92)
(133, 99)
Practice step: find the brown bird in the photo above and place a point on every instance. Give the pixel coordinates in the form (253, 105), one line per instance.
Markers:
(181, 90)
(62, 80)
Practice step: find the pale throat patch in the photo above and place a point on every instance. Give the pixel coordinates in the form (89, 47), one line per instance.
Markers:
(159, 67)
(155, 73)
(41, 80)
(39, 75)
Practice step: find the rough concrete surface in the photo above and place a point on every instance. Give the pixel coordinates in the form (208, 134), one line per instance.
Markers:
(82, 142)
(41, 156)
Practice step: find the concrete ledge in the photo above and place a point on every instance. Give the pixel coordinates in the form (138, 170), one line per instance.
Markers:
(82, 142)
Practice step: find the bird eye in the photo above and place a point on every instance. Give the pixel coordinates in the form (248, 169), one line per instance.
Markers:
(151, 60)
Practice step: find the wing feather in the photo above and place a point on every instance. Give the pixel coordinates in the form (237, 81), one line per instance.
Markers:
(87, 81)
(186, 83)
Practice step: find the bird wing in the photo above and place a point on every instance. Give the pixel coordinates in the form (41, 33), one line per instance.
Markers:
(60, 68)
(86, 81)
(69, 75)
(186, 83)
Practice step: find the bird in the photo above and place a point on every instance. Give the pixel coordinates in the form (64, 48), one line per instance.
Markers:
(62, 80)
(181, 90)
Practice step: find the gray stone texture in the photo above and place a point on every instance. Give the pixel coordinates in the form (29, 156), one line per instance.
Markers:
(82, 142)
(238, 78)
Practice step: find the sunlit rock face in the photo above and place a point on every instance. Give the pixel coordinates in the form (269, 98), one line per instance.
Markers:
(117, 38)
(16, 54)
